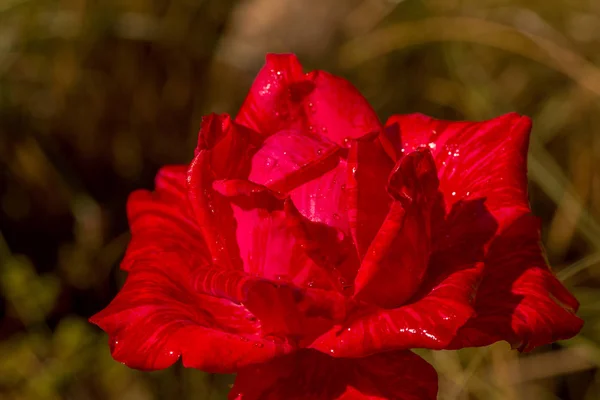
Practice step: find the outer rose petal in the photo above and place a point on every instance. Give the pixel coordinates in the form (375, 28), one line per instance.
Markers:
(519, 299)
(430, 322)
(162, 221)
(283, 97)
(400, 375)
(158, 316)
(485, 160)
(396, 261)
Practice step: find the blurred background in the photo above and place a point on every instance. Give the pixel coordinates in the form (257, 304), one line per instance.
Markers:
(96, 95)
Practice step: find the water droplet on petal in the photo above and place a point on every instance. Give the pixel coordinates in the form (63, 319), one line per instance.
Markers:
(432, 145)
(311, 128)
(336, 216)
(343, 187)
(319, 151)
(310, 104)
(259, 345)
(324, 129)
(311, 284)
(453, 193)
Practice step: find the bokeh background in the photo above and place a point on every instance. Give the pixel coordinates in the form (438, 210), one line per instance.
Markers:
(96, 95)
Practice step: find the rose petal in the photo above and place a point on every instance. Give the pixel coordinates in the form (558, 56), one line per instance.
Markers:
(158, 316)
(519, 299)
(486, 160)
(430, 322)
(229, 145)
(308, 168)
(396, 261)
(400, 375)
(212, 212)
(278, 243)
(283, 97)
(368, 201)
(162, 221)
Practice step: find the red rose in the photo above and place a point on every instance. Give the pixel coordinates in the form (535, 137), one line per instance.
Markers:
(308, 248)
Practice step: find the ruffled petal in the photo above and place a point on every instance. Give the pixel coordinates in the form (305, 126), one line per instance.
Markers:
(368, 201)
(283, 97)
(162, 313)
(431, 321)
(519, 299)
(212, 212)
(278, 243)
(400, 375)
(396, 261)
(229, 146)
(162, 222)
(310, 170)
(475, 160)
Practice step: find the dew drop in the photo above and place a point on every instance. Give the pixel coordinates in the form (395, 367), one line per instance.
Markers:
(343, 187)
(432, 145)
(323, 129)
(453, 193)
(332, 351)
(319, 151)
(310, 105)
(336, 216)
(311, 128)
(259, 345)
(311, 284)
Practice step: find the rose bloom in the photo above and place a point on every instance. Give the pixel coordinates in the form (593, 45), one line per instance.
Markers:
(307, 247)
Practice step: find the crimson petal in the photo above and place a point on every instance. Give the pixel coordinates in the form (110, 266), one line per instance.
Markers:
(431, 321)
(519, 299)
(159, 316)
(395, 263)
(284, 97)
(162, 221)
(400, 375)
(474, 159)
(368, 201)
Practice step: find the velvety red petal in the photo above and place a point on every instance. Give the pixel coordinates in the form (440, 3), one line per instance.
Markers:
(229, 146)
(519, 299)
(400, 375)
(161, 221)
(310, 170)
(212, 212)
(431, 321)
(475, 160)
(159, 316)
(368, 201)
(278, 243)
(283, 97)
(268, 105)
(396, 261)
